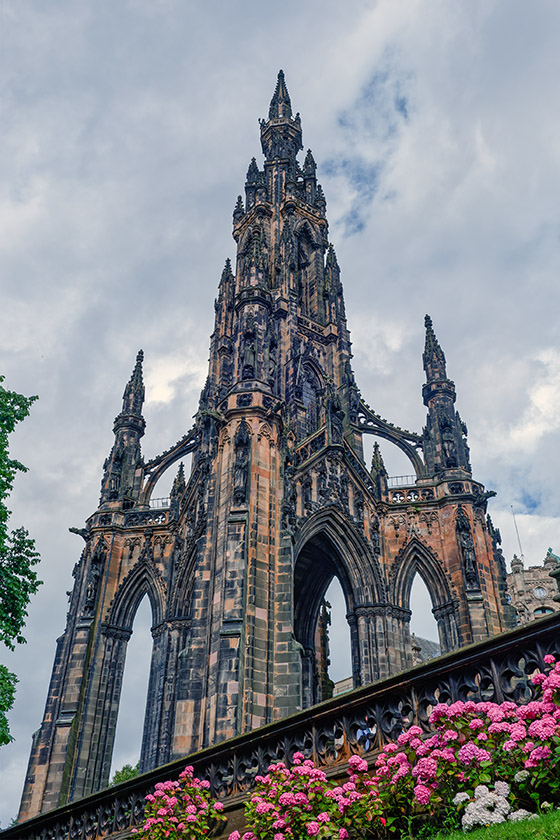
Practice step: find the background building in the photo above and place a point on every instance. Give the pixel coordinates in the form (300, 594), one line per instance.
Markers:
(533, 591)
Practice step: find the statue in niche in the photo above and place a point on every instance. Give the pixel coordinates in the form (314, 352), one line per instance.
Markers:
(335, 414)
(466, 546)
(289, 244)
(307, 492)
(449, 450)
(289, 507)
(249, 353)
(322, 481)
(359, 506)
(249, 359)
(93, 578)
(241, 463)
(270, 365)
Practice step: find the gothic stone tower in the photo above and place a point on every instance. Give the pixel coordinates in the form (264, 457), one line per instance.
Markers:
(278, 502)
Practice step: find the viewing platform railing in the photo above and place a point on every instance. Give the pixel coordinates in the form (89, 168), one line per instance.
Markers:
(361, 721)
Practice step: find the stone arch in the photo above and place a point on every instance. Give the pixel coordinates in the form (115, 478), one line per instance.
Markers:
(304, 232)
(180, 600)
(116, 631)
(326, 546)
(141, 580)
(155, 469)
(416, 558)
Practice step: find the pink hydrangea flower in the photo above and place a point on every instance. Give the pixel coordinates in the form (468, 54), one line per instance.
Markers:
(422, 794)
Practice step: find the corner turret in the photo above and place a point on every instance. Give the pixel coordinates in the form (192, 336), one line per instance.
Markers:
(122, 479)
(445, 434)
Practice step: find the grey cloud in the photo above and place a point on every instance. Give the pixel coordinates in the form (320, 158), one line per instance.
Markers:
(127, 131)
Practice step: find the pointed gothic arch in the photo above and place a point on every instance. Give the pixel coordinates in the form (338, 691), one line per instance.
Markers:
(141, 580)
(416, 558)
(327, 546)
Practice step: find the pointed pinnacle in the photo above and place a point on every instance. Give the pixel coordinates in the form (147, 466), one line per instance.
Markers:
(332, 261)
(226, 272)
(136, 378)
(239, 209)
(179, 481)
(432, 344)
(309, 166)
(280, 105)
(133, 396)
(433, 356)
(253, 172)
(377, 464)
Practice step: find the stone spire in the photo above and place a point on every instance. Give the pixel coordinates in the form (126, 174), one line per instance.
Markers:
(445, 434)
(177, 490)
(120, 480)
(434, 357)
(281, 136)
(133, 397)
(309, 166)
(378, 472)
(280, 104)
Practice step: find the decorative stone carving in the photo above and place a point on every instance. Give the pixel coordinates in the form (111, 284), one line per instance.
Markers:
(241, 445)
(466, 547)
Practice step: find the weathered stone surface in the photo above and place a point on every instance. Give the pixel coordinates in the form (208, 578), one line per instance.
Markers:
(279, 501)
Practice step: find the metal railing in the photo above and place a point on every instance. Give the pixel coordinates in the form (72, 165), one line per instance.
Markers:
(361, 722)
(162, 502)
(401, 481)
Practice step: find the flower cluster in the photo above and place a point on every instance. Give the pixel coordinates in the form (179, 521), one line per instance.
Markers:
(473, 745)
(298, 802)
(488, 807)
(180, 809)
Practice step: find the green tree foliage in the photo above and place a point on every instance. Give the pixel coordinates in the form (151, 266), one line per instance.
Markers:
(125, 773)
(18, 580)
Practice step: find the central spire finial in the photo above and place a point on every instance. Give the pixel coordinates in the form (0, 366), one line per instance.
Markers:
(281, 133)
(280, 104)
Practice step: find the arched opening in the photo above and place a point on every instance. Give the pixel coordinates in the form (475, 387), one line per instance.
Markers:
(319, 575)
(339, 641)
(162, 489)
(424, 631)
(397, 463)
(418, 570)
(134, 691)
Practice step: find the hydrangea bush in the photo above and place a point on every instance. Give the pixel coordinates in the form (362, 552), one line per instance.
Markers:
(182, 809)
(484, 763)
(300, 802)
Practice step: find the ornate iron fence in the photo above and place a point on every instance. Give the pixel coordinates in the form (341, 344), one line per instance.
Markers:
(358, 722)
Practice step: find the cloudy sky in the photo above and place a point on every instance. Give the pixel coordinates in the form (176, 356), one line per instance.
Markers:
(127, 129)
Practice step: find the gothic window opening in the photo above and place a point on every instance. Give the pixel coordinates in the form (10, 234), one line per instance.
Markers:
(307, 280)
(425, 637)
(339, 642)
(320, 624)
(134, 691)
(311, 401)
